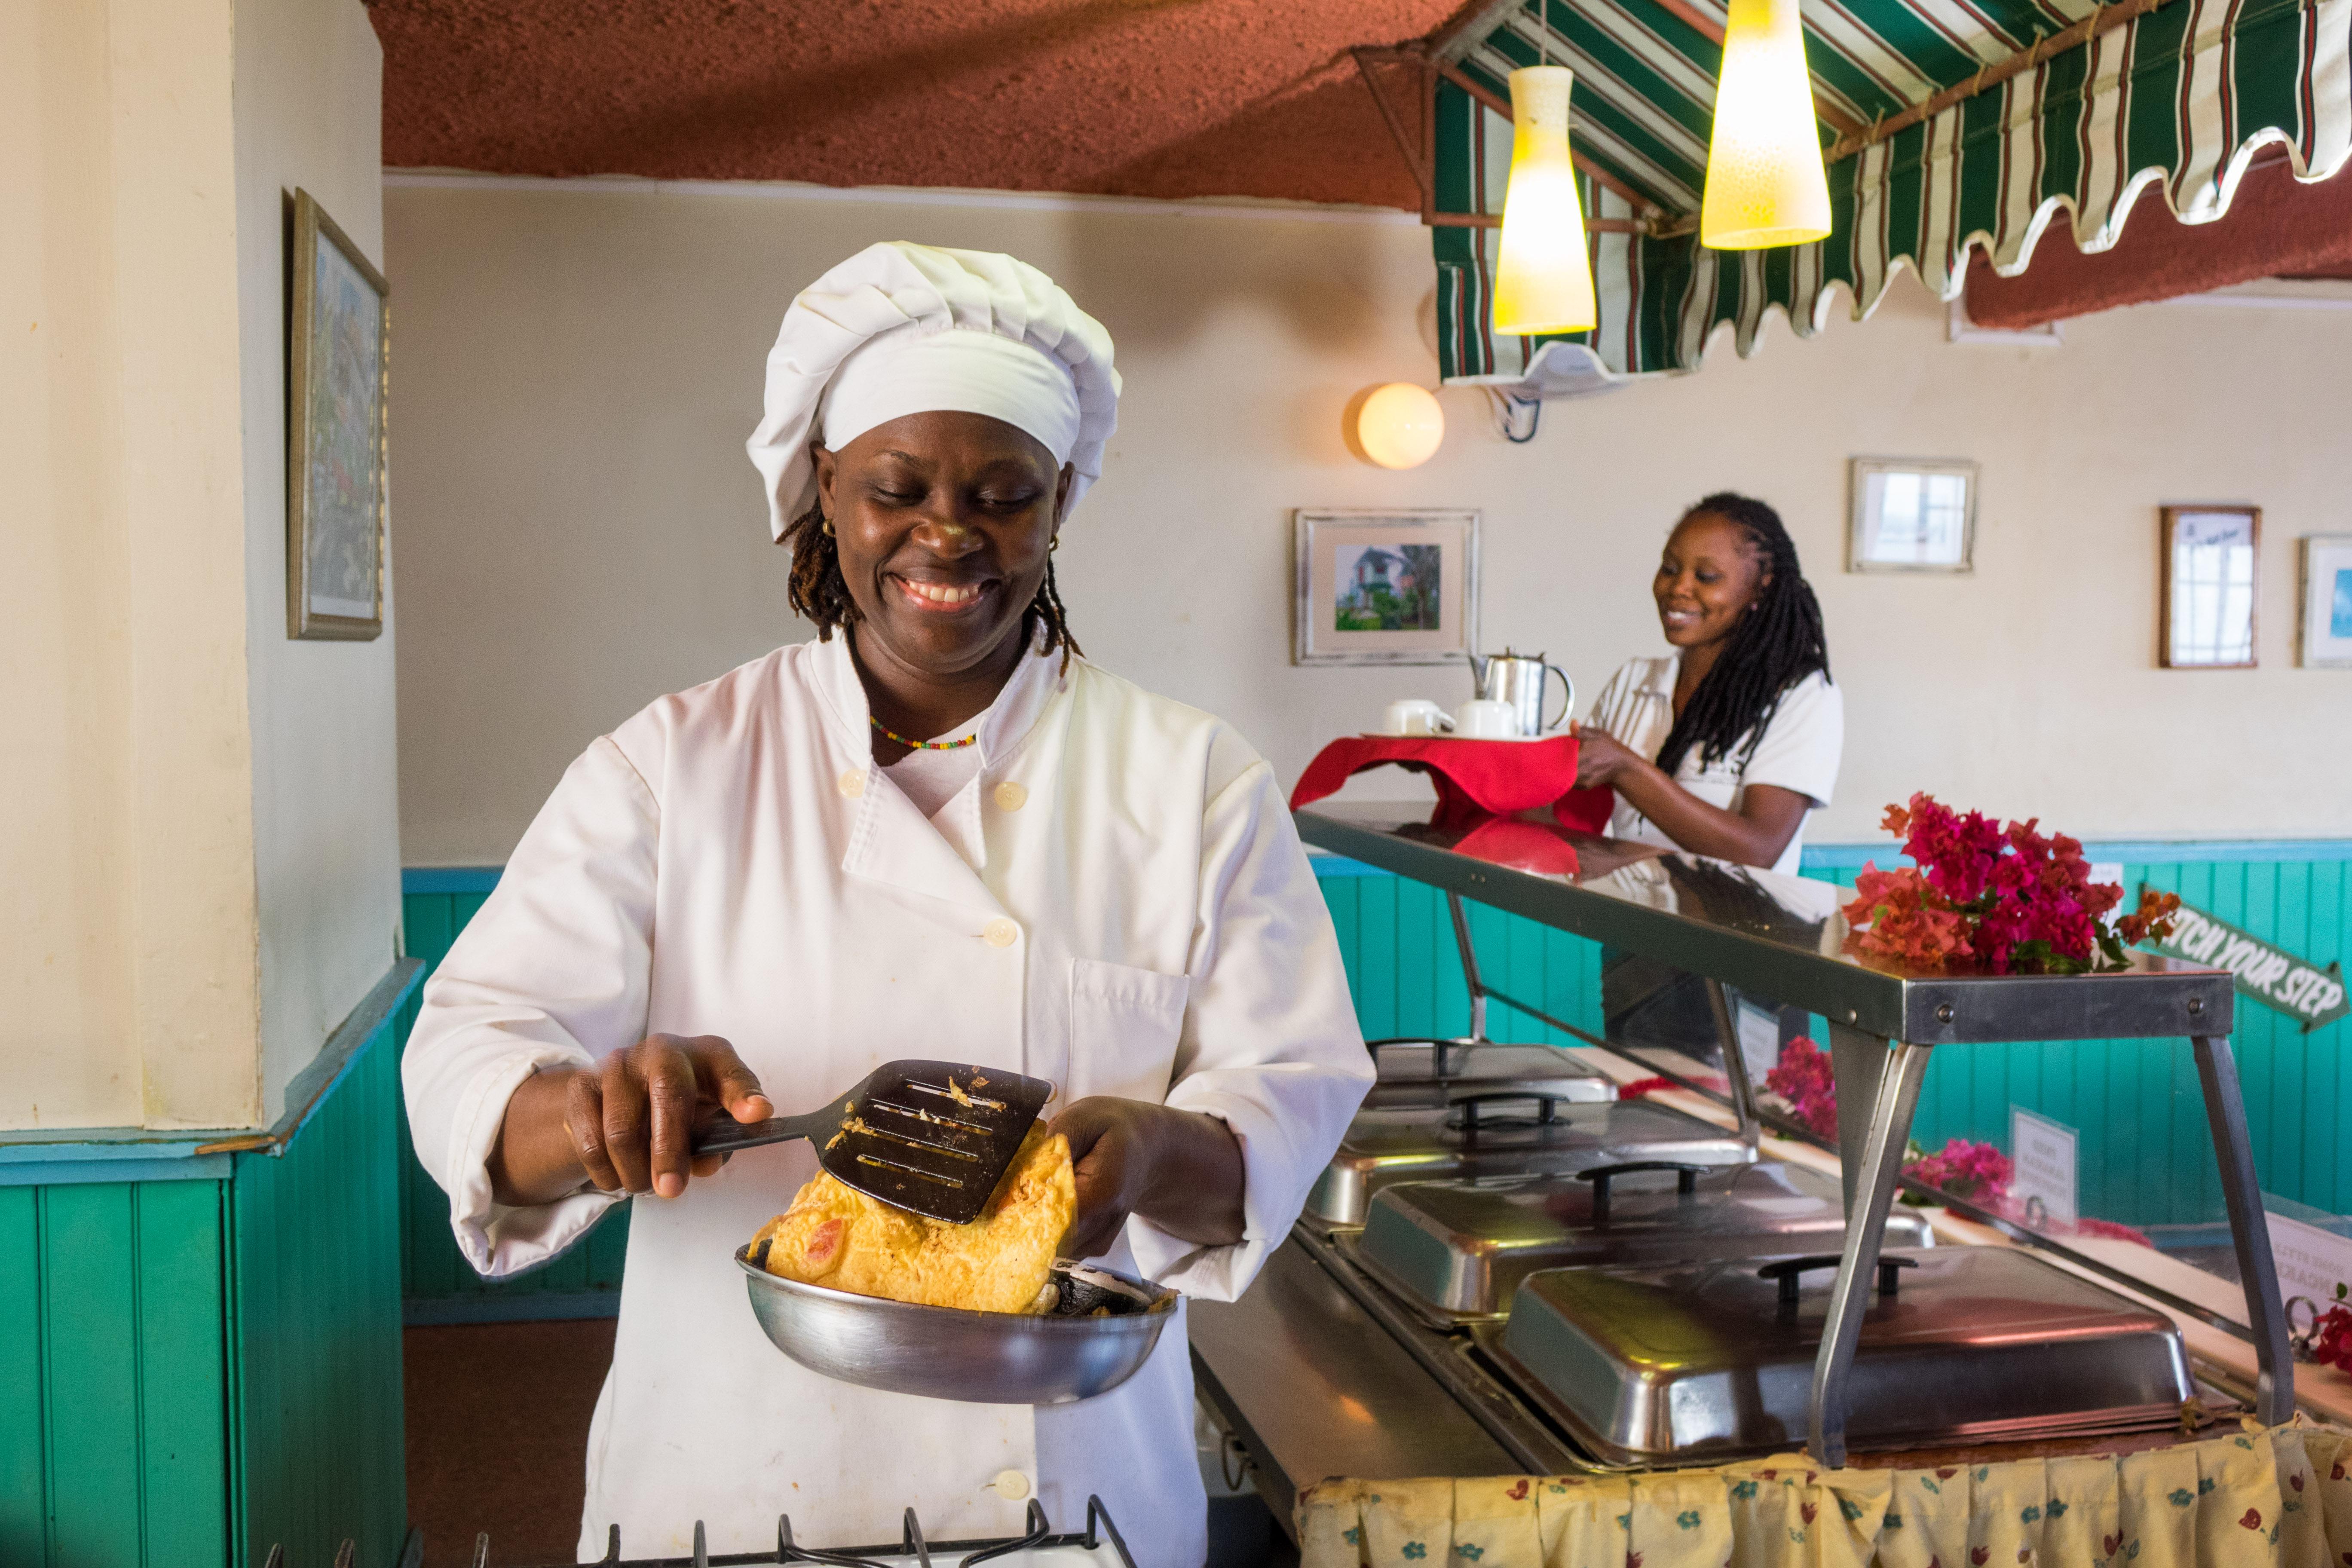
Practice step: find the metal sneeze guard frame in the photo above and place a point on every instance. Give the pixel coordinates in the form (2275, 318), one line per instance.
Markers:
(1882, 1027)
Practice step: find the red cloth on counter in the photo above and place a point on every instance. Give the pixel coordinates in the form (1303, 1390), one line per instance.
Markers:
(1497, 777)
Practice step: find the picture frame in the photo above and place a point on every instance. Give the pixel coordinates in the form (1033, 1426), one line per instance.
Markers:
(1363, 590)
(2208, 612)
(337, 353)
(2324, 636)
(1911, 514)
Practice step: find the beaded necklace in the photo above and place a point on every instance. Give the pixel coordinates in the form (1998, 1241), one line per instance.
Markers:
(890, 734)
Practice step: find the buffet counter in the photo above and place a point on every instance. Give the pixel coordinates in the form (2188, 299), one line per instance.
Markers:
(1399, 1347)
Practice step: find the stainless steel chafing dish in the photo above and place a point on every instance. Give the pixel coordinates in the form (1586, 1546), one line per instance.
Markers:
(1960, 1346)
(1425, 1072)
(1504, 1132)
(1455, 1251)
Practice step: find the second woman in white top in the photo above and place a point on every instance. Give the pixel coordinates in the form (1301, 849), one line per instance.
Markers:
(1727, 745)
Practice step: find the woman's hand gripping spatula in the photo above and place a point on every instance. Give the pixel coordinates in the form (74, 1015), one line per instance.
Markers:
(933, 1138)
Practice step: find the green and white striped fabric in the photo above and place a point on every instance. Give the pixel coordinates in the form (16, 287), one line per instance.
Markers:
(2177, 100)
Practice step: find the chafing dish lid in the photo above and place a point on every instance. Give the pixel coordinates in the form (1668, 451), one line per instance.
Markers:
(1461, 1246)
(1977, 1344)
(1427, 1072)
(1476, 1125)
(1505, 1133)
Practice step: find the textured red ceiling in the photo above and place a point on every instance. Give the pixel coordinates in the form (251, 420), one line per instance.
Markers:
(1152, 98)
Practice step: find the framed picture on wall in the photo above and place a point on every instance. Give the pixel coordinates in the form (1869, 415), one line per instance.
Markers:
(2326, 639)
(2210, 560)
(338, 342)
(1912, 514)
(1384, 587)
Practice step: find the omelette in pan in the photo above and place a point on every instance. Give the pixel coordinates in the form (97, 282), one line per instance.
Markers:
(836, 1236)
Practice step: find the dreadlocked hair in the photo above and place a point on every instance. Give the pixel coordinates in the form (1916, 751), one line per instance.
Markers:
(819, 593)
(1778, 643)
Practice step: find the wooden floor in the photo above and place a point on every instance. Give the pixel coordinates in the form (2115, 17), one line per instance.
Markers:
(498, 1437)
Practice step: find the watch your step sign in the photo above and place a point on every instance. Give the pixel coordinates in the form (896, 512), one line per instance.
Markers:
(2272, 975)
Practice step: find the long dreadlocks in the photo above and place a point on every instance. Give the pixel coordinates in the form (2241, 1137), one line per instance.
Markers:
(820, 594)
(1778, 642)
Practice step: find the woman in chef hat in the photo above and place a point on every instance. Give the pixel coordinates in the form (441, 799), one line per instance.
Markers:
(932, 831)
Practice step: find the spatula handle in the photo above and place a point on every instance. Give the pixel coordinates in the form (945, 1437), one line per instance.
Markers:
(724, 1134)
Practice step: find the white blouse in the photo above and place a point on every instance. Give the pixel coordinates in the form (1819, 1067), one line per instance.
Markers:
(1803, 739)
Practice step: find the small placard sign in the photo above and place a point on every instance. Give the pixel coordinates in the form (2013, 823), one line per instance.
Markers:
(2271, 975)
(2311, 1261)
(2044, 1155)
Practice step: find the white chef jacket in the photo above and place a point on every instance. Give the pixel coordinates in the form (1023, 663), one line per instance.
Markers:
(1802, 743)
(1136, 918)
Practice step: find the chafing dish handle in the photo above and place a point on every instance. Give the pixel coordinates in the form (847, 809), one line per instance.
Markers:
(1470, 1104)
(1789, 1272)
(1686, 1179)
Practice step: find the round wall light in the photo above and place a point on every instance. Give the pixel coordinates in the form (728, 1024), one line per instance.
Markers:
(1399, 425)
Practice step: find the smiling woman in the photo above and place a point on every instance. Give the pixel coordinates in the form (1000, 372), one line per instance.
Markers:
(934, 826)
(1727, 745)
(934, 537)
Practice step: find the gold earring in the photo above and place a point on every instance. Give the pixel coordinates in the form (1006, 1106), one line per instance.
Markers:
(827, 524)
(1056, 545)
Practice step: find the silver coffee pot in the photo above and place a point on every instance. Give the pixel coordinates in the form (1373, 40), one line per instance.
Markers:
(1519, 679)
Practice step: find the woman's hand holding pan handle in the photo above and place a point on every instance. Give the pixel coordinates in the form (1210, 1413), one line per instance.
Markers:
(1179, 1169)
(626, 1126)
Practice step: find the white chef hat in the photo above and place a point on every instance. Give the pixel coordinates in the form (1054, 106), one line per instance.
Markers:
(904, 329)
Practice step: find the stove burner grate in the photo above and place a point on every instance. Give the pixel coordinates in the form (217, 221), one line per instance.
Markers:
(1100, 1537)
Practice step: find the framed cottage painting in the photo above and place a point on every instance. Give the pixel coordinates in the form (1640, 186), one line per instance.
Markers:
(337, 353)
(1384, 587)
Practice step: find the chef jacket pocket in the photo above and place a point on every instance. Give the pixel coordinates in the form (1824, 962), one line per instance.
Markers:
(1125, 1023)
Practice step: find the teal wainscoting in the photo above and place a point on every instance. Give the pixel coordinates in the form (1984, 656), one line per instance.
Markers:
(2146, 1156)
(200, 1341)
(438, 1285)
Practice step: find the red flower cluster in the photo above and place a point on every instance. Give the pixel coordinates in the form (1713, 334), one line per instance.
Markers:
(1804, 1080)
(2113, 1230)
(2331, 1335)
(1976, 1172)
(2001, 899)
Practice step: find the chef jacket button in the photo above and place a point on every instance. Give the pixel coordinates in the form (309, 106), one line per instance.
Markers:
(1012, 797)
(852, 783)
(1011, 1484)
(1000, 933)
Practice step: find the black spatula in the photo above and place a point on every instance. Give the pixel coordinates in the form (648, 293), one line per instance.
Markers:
(931, 1137)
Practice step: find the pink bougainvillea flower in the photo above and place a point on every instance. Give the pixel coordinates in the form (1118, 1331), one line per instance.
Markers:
(2112, 1230)
(1989, 897)
(1803, 1078)
(1902, 919)
(2152, 921)
(1976, 1172)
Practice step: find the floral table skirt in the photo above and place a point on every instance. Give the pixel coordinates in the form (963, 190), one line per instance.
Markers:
(2278, 1496)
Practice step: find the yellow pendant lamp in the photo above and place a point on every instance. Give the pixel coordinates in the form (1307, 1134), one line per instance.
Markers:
(1543, 279)
(1765, 185)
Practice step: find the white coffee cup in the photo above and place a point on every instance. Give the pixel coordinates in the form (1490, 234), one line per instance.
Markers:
(1486, 720)
(1417, 716)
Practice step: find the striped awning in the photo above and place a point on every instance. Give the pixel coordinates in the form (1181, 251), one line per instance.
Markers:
(1947, 123)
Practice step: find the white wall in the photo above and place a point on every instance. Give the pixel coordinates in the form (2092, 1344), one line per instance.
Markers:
(578, 365)
(126, 849)
(326, 851)
(198, 852)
